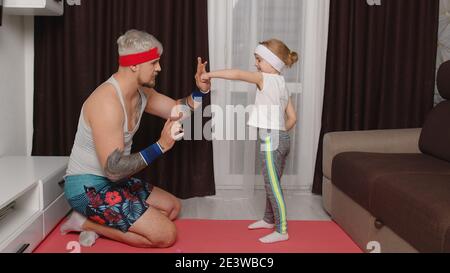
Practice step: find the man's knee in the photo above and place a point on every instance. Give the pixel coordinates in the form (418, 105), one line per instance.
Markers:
(175, 210)
(166, 237)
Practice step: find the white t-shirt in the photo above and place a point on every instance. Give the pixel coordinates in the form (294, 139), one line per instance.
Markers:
(270, 104)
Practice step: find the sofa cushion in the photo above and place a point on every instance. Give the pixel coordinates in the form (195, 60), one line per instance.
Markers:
(416, 207)
(354, 173)
(435, 134)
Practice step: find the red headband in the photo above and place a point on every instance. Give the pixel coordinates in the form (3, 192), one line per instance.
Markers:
(138, 58)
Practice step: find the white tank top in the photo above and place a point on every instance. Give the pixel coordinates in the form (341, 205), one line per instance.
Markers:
(270, 104)
(83, 159)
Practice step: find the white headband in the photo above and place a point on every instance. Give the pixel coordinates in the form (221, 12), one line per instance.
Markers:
(270, 57)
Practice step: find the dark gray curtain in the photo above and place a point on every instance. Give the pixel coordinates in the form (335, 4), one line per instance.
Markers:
(1, 12)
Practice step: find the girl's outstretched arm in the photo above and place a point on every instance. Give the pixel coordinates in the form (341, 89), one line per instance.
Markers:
(291, 116)
(237, 75)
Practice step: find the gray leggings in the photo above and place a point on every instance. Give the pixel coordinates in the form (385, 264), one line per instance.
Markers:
(273, 149)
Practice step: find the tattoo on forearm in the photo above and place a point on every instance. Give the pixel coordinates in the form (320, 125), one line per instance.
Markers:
(119, 166)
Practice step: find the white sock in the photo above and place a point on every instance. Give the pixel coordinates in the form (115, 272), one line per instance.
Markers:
(261, 225)
(88, 238)
(274, 237)
(73, 224)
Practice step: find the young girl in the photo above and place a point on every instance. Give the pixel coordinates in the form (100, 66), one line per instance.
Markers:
(272, 57)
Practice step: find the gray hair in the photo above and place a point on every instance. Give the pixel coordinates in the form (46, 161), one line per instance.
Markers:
(135, 41)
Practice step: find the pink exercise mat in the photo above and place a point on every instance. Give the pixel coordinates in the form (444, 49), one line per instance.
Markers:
(219, 236)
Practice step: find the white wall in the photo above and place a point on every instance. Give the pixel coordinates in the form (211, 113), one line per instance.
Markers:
(16, 85)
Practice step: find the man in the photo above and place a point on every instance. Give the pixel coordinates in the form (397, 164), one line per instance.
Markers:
(99, 184)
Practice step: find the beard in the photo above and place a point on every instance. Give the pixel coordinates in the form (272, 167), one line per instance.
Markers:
(149, 84)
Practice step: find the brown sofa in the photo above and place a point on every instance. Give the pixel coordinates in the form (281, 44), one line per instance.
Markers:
(393, 186)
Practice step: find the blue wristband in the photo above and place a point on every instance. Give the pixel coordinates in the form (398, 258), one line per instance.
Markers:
(151, 153)
(198, 95)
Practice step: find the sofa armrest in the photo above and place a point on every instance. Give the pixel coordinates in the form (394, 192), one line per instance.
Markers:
(379, 141)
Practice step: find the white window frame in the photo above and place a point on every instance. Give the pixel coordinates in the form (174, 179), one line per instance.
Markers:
(315, 14)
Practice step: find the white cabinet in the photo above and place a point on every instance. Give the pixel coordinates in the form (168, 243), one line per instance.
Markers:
(27, 237)
(34, 7)
(54, 213)
(32, 200)
(21, 224)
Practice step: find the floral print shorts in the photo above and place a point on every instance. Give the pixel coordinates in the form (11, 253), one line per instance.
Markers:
(116, 205)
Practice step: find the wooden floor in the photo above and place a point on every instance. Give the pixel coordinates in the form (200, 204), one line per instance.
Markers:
(233, 205)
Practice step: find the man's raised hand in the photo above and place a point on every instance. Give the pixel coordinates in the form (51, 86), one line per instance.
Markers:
(201, 69)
